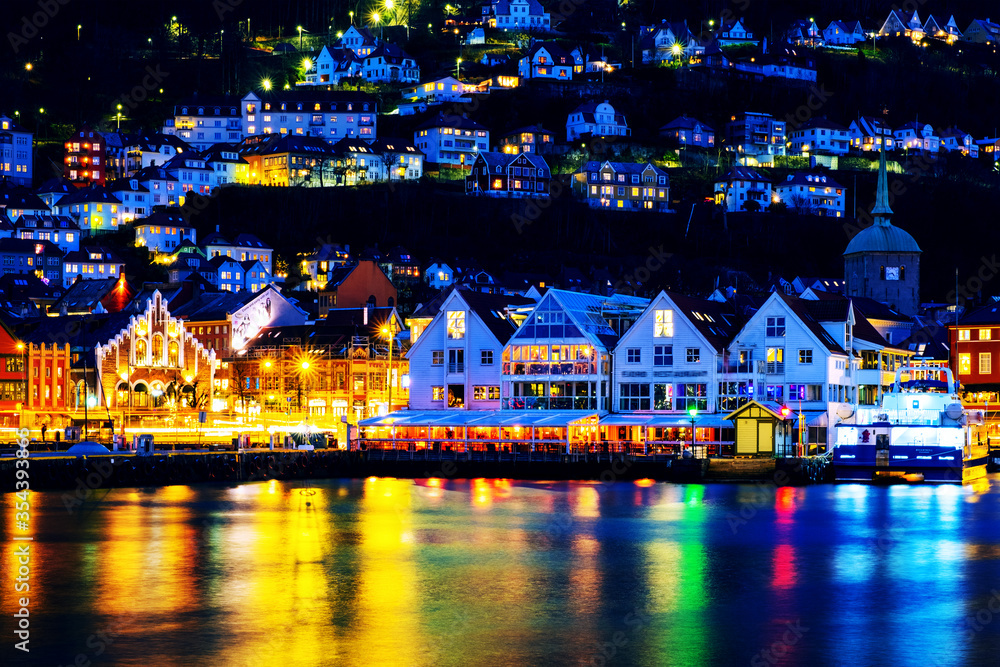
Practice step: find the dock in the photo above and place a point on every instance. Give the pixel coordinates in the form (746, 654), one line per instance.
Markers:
(128, 469)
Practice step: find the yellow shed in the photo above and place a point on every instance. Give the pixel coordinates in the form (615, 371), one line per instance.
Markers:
(762, 428)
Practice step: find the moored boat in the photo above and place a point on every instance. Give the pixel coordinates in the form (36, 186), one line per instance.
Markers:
(919, 432)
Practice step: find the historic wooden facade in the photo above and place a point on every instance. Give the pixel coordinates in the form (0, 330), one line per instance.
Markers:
(155, 362)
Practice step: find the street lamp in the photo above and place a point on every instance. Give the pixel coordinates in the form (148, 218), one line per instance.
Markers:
(676, 50)
(387, 332)
(266, 84)
(459, 69)
(119, 118)
(693, 413)
(78, 26)
(376, 19)
(24, 367)
(300, 36)
(351, 14)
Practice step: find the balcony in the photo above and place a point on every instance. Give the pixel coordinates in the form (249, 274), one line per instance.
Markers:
(550, 368)
(550, 403)
(456, 367)
(775, 368)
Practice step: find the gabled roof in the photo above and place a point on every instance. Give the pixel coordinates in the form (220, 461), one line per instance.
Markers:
(802, 310)
(395, 145)
(743, 174)
(623, 167)
(502, 7)
(686, 123)
(166, 218)
(246, 240)
(504, 160)
(560, 56)
(221, 260)
(125, 185)
(715, 321)
(393, 54)
(587, 313)
(448, 120)
(20, 197)
(215, 238)
(83, 255)
(93, 194)
(532, 129)
(809, 179)
(57, 185)
(46, 221)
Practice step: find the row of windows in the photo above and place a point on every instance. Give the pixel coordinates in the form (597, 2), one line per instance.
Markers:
(965, 363)
(454, 356)
(966, 334)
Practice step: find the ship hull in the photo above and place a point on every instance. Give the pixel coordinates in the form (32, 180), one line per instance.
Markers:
(859, 463)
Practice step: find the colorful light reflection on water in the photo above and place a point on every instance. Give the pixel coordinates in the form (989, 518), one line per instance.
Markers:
(500, 572)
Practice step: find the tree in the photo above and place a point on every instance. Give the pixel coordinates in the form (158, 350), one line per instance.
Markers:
(751, 206)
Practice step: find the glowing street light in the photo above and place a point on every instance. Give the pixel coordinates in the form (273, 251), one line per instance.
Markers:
(693, 414)
(351, 14)
(459, 69)
(300, 36)
(78, 26)
(28, 66)
(387, 332)
(307, 64)
(266, 84)
(118, 118)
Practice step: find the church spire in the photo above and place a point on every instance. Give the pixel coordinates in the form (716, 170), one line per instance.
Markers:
(882, 212)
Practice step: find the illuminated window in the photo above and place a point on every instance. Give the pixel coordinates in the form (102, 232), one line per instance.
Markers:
(456, 324)
(984, 334)
(985, 363)
(437, 357)
(663, 326)
(437, 393)
(965, 334)
(964, 364)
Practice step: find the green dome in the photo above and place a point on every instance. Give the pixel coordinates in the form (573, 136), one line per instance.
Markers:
(882, 238)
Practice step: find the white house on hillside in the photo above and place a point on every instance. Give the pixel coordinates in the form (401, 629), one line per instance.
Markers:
(811, 194)
(917, 136)
(598, 119)
(740, 186)
(518, 15)
(547, 60)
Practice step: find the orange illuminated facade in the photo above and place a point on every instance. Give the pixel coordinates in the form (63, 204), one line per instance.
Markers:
(86, 160)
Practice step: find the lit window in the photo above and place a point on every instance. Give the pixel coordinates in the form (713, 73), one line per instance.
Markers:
(965, 334)
(985, 364)
(663, 326)
(984, 334)
(456, 324)
(964, 364)
(437, 393)
(693, 355)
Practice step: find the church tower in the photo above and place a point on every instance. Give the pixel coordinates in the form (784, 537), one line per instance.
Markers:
(882, 262)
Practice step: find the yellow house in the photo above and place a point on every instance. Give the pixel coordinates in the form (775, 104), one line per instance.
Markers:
(762, 429)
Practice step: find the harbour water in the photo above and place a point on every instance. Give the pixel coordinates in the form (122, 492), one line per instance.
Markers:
(501, 572)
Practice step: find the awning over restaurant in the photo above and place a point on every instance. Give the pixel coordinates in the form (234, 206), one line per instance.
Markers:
(821, 420)
(480, 418)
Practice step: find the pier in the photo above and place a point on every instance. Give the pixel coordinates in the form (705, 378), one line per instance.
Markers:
(127, 469)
